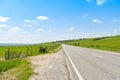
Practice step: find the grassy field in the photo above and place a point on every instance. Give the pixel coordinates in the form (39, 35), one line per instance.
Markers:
(111, 43)
(34, 49)
(20, 69)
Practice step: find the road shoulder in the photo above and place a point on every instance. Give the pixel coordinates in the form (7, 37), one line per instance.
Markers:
(49, 67)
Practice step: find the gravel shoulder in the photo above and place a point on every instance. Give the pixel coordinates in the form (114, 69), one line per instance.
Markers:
(49, 67)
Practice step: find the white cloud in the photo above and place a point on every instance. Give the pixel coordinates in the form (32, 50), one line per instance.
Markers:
(14, 30)
(97, 21)
(27, 20)
(3, 25)
(4, 19)
(27, 25)
(100, 2)
(30, 21)
(42, 18)
(71, 28)
(39, 30)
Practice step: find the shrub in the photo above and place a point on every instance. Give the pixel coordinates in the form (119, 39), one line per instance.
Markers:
(92, 45)
(42, 49)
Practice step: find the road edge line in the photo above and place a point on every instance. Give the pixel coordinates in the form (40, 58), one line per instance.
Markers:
(68, 68)
(73, 65)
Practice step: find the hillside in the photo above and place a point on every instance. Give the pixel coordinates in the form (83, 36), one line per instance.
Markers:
(111, 43)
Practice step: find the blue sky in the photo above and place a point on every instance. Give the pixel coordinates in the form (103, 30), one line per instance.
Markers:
(36, 21)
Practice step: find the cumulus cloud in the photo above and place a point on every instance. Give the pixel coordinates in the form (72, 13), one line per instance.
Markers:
(71, 28)
(39, 30)
(3, 25)
(27, 21)
(14, 30)
(4, 19)
(42, 18)
(100, 2)
(97, 21)
(30, 21)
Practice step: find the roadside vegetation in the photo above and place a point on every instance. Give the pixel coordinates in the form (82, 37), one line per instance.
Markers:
(15, 69)
(36, 49)
(110, 43)
(17, 66)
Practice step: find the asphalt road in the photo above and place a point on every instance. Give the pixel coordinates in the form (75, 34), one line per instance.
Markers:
(92, 64)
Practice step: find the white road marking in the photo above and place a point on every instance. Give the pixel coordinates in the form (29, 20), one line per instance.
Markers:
(73, 65)
(96, 55)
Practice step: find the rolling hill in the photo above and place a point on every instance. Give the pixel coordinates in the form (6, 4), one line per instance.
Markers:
(110, 43)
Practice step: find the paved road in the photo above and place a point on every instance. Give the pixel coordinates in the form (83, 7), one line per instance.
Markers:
(94, 64)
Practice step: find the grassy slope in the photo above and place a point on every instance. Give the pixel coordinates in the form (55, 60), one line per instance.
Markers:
(110, 43)
(21, 68)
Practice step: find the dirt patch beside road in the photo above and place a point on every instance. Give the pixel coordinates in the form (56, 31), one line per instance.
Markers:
(49, 67)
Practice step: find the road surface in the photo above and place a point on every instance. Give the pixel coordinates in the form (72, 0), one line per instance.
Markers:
(92, 64)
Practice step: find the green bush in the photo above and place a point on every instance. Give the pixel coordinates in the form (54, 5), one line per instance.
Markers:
(42, 49)
(92, 45)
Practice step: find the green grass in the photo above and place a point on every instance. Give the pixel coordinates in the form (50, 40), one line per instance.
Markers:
(13, 48)
(111, 43)
(24, 71)
(50, 47)
(21, 68)
(8, 64)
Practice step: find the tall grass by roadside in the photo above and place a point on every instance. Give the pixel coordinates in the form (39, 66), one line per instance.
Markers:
(24, 71)
(8, 64)
(15, 69)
